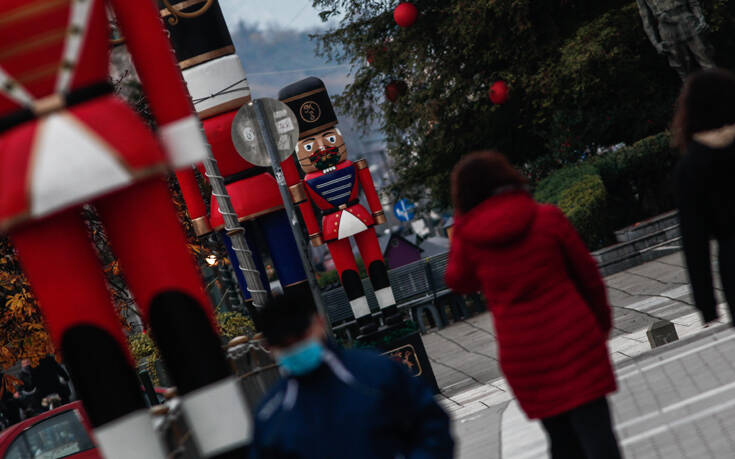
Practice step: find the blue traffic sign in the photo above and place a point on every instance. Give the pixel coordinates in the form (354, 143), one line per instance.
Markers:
(404, 210)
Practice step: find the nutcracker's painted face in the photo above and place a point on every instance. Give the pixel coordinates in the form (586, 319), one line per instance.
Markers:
(321, 152)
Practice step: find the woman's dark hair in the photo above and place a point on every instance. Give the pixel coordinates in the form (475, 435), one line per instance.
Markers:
(479, 175)
(706, 102)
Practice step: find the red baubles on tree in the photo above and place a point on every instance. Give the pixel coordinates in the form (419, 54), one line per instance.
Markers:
(405, 14)
(499, 92)
(395, 89)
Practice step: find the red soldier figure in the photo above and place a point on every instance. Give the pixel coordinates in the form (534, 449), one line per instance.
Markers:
(333, 183)
(219, 87)
(65, 141)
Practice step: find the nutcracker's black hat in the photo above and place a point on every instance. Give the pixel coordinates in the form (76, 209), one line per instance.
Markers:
(310, 102)
(199, 36)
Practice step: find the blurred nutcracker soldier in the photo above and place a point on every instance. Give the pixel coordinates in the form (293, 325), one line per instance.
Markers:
(333, 183)
(66, 140)
(219, 87)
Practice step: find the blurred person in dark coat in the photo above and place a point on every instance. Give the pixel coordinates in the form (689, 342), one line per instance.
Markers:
(10, 398)
(548, 302)
(29, 391)
(704, 130)
(335, 403)
(49, 377)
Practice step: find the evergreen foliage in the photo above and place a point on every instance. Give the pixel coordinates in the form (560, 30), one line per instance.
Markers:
(580, 193)
(614, 190)
(582, 75)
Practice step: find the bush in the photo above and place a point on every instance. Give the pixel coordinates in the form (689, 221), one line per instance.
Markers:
(580, 193)
(638, 179)
(145, 353)
(551, 189)
(584, 205)
(608, 192)
(233, 324)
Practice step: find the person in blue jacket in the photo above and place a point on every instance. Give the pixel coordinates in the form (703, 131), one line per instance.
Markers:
(335, 403)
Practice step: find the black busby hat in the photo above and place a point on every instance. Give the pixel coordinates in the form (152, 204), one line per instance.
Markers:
(310, 102)
(199, 36)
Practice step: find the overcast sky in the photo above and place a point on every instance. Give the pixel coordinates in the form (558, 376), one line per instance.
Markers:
(297, 14)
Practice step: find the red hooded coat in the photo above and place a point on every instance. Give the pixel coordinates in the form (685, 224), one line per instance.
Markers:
(548, 301)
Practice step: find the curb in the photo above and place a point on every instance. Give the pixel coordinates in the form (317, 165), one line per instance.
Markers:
(713, 330)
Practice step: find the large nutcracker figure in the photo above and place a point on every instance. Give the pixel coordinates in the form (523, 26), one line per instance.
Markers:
(219, 87)
(65, 141)
(332, 184)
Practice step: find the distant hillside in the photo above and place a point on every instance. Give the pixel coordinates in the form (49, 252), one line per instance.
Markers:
(274, 58)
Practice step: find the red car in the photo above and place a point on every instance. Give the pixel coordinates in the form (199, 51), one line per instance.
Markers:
(64, 432)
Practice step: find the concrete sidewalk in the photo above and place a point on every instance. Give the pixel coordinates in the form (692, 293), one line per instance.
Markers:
(464, 355)
(488, 421)
(676, 403)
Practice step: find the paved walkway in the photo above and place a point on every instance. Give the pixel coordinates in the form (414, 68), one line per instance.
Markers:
(488, 421)
(464, 355)
(678, 403)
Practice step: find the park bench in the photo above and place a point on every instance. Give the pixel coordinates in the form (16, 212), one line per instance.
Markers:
(417, 287)
(412, 288)
(438, 265)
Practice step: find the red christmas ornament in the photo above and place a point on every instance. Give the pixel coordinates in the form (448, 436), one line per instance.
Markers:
(405, 14)
(499, 92)
(394, 90)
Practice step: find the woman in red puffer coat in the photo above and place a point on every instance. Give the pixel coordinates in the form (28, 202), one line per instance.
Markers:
(548, 302)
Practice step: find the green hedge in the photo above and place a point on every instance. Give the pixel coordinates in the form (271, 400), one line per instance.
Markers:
(638, 179)
(580, 194)
(616, 189)
(551, 189)
(584, 204)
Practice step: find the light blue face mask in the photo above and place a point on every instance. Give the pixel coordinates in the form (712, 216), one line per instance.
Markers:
(302, 359)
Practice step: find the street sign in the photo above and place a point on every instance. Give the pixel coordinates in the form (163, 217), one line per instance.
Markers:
(248, 138)
(404, 210)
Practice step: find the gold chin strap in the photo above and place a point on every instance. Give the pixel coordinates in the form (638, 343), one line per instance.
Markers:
(176, 12)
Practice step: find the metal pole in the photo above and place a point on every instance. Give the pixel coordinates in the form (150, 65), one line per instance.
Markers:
(150, 391)
(272, 150)
(230, 281)
(235, 231)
